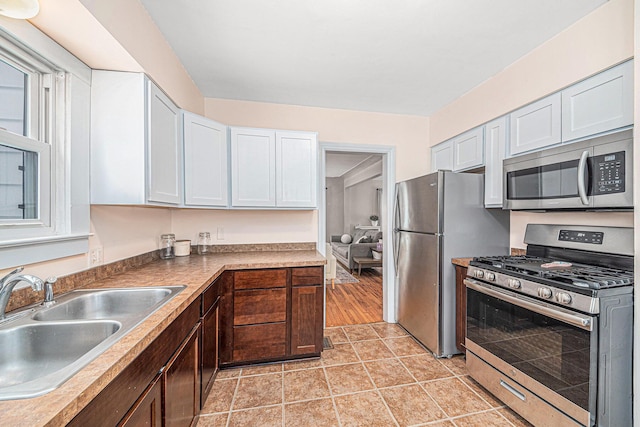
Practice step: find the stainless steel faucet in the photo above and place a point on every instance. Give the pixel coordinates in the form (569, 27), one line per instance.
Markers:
(8, 282)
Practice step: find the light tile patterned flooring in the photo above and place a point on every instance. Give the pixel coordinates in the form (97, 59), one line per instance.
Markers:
(376, 375)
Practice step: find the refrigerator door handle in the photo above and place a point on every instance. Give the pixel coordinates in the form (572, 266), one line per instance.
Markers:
(396, 232)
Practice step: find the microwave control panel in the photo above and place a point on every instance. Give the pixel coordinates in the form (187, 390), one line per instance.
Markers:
(608, 171)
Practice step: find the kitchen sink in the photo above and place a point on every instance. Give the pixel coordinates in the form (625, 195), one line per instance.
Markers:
(105, 304)
(47, 347)
(42, 347)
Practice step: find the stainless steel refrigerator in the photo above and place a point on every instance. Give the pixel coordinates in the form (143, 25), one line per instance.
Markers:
(438, 217)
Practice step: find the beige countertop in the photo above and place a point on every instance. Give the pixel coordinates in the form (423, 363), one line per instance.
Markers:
(196, 272)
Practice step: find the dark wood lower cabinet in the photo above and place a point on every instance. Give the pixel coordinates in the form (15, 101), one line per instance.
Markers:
(306, 319)
(115, 401)
(461, 308)
(210, 350)
(147, 412)
(246, 316)
(182, 384)
(271, 314)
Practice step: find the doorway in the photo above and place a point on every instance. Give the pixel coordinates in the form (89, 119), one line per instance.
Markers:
(382, 157)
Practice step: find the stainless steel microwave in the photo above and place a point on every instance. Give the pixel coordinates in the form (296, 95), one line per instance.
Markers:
(593, 174)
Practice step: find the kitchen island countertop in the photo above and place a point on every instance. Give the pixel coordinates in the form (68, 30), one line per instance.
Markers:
(59, 406)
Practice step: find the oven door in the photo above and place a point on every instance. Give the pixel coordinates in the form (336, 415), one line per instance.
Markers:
(548, 350)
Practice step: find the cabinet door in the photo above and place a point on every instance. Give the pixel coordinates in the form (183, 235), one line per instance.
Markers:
(468, 149)
(296, 169)
(147, 412)
(495, 140)
(461, 309)
(442, 156)
(598, 104)
(164, 149)
(535, 126)
(182, 384)
(306, 320)
(210, 347)
(253, 174)
(205, 162)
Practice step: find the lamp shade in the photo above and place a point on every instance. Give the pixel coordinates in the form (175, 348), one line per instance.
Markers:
(19, 9)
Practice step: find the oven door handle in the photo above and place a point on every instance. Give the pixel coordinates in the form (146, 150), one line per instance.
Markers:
(557, 313)
(582, 188)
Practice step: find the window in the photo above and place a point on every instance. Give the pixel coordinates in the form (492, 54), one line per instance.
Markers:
(44, 139)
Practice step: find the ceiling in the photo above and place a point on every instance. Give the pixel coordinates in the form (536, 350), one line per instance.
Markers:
(339, 163)
(404, 57)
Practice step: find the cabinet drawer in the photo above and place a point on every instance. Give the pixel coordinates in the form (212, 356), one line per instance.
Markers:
(209, 297)
(260, 279)
(259, 306)
(307, 276)
(259, 341)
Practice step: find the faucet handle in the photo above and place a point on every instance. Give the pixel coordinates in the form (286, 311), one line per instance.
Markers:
(48, 290)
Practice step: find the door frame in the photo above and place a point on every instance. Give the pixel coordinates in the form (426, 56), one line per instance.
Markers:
(388, 153)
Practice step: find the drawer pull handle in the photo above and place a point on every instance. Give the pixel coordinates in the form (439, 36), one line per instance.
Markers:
(513, 391)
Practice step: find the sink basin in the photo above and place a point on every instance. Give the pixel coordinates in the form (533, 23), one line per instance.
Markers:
(47, 347)
(43, 347)
(105, 304)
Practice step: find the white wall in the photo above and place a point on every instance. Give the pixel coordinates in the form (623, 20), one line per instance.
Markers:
(598, 41)
(335, 207)
(360, 202)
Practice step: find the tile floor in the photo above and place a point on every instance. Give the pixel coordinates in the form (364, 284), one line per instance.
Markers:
(376, 375)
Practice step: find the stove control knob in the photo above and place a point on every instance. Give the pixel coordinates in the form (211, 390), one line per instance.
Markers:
(563, 298)
(544, 293)
(479, 274)
(514, 283)
(491, 277)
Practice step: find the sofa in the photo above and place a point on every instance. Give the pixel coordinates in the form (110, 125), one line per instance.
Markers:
(345, 252)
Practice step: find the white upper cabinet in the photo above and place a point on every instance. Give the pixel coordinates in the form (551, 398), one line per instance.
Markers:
(253, 167)
(598, 104)
(164, 148)
(536, 125)
(296, 169)
(205, 162)
(273, 168)
(468, 149)
(136, 144)
(495, 139)
(442, 156)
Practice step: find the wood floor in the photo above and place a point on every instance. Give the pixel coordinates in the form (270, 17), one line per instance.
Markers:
(356, 303)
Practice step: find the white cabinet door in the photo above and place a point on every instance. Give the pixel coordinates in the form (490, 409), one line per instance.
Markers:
(205, 162)
(118, 117)
(164, 149)
(598, 104)
(442, 156)
(468, 149)
(535, 126)
(253, 162)
(495, 140)
(296, 160)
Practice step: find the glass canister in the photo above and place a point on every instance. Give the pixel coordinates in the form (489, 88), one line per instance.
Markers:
(167, 250)
(204, 240)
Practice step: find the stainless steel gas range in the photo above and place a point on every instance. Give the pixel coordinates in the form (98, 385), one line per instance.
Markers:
(550, 333)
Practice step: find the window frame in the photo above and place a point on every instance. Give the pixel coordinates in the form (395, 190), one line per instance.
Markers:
(58, 129)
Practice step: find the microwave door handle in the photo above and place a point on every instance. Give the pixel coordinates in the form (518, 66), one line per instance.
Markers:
(582, 188)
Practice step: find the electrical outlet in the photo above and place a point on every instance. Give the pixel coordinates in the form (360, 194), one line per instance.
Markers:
(95, 256)
(220, 233)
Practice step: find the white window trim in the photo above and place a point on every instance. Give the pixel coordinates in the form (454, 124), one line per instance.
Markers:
(68, 79)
